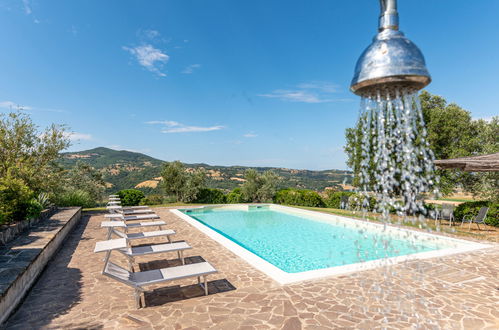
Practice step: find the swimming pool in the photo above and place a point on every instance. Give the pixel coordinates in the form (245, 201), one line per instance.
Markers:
(291, 244)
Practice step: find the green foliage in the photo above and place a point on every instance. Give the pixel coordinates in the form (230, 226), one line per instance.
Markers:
(34, 208)
(185, 186)
(299, 197)
(152, 200)
(260, 188)
(470, 209)
(27, 164)
(85, 178)
(333, 198)
(28, 153)
(44, 200)
(211, 196)
(15, 197)
(235, 196)
(130, 197)
(75, 198)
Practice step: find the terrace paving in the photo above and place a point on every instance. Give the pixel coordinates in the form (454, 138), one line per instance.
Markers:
(453, 292)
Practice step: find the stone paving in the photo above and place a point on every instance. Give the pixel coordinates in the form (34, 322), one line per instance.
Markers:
(453, 292)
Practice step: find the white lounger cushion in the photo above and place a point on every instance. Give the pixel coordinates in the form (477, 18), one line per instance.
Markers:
(122, 224)
(139, 279)
(147, 234)
(135, 212)
(132, 217)
(155, 248)
(121, 245)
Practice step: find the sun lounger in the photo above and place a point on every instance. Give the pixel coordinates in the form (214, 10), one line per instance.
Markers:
(131, 253)
(126, 226)
(139, 280)
(118, 216)
(125, 211)
(110, 196)
(147, 234)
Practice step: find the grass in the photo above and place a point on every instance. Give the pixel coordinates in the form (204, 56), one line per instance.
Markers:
(428, 224)
(457, 199)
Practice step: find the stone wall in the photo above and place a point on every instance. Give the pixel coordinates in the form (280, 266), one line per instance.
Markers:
(23, 259)
(10, 232)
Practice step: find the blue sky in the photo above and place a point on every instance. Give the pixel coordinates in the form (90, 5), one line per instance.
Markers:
(227, 82)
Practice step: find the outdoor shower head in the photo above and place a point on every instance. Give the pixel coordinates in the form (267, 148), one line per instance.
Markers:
(391, 62)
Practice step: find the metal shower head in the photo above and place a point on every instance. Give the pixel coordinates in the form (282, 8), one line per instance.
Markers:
(391, 62)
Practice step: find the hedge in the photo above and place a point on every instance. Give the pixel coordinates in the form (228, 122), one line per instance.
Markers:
(299, 197)
(211, 196)
(130, 197)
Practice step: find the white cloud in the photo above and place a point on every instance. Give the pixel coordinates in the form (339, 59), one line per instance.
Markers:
(310, 92)
(250, 135)
(295, 96)
(151, 34)
(190, 69)
(12, 105)
(163, 122)
(74, 136)
(27, 7)
(323, 86)
(176, 127)
(149, 57)
(187, 129)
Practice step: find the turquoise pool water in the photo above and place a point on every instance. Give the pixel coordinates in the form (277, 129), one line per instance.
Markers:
(295, 243)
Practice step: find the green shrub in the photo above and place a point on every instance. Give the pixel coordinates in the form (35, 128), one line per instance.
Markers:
(15, 196)
(75, 198)
(470, 209)
(34, 208)
(299, 197)
(211, 196)
(333, 199)
(235, 196)
(44, 200)
(130, 197)
(152, 200)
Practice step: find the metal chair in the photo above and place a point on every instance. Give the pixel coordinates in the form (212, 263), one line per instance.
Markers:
(479, 219)
(446, 213)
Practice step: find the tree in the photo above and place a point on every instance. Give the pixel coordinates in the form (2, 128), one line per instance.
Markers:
(259, 187)
(85, 178)
(185, 186)
(27, 163)
(30, 154)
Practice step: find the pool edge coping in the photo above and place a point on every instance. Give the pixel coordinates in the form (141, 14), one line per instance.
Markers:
(284, 278)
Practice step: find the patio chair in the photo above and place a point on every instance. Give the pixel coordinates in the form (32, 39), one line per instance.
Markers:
(479, 219)
(446, 213)
(121, 245)
(139, 280)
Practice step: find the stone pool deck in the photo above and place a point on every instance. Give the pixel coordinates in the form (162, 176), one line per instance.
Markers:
(453, 292)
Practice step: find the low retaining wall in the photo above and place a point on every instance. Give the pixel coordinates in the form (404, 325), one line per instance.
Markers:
(11, 232)
(23, 259)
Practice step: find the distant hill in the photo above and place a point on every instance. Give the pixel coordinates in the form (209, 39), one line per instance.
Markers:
(123, 169)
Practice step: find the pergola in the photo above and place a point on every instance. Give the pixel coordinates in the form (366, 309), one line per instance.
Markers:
(484, 163)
